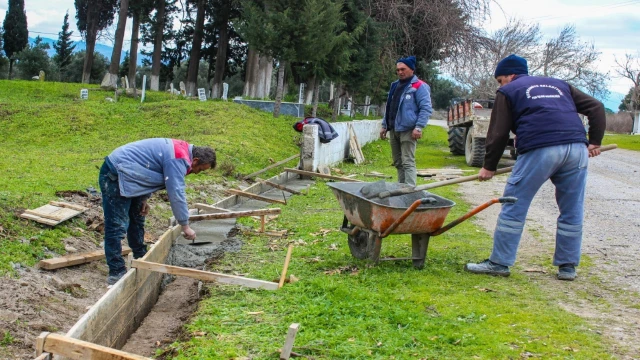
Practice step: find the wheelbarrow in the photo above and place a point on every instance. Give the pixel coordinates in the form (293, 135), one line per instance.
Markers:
(419, 213)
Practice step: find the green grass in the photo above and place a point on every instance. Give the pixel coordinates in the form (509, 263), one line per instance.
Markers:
(349, 309)
(629, 142)
(51, 141)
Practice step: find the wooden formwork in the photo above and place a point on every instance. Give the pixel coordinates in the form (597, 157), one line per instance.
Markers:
(117, 314)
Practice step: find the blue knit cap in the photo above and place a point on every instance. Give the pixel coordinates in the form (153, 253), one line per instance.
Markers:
(512, 64)
(410, 61)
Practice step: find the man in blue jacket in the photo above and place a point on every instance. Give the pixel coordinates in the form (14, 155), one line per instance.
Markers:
(552, 145)
(128, 177)
(407, 112)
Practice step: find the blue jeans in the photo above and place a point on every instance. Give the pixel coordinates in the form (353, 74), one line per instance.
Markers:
(566, 166)
(121, 217)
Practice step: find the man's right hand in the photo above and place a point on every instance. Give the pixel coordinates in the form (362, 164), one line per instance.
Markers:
(485, 174)
(383, 134)
(189, 234)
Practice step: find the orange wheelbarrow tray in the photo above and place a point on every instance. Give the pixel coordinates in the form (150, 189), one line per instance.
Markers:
(421, 214)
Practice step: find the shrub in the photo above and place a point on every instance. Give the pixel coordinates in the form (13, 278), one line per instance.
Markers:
(621, 122)
(323, 112)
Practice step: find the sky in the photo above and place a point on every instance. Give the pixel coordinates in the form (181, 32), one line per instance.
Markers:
(613, 26)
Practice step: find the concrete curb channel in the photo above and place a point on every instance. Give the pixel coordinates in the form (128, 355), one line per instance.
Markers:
(113, 318)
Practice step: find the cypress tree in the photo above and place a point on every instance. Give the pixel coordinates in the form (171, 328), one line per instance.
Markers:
(63, 46)
(16, 35)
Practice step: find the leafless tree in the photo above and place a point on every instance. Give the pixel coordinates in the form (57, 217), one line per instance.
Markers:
(629, 68)
(564, 57)
(429, 29)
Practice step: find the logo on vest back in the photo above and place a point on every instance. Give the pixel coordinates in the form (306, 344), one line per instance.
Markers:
(543, 92)
(408, 97)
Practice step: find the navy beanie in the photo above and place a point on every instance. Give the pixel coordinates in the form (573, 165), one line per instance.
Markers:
(410, 61)
(512, 64)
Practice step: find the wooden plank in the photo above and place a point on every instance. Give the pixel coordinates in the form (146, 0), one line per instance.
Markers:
(288, 344)
(378, 175)
(113, 318)
(83, 350)
(75, 259)
(235, 214)
(355, 146)
(44, 356)
(254, 196)
(210, 208)
(39, 219)
(40, 343)
(278, 186)
(55, 216)
(283, 276)
(69, 205)
(205, 275)
(271, 166)
(312, 174)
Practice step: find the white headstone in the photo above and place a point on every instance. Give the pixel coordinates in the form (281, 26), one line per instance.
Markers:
(636, 125)
(41, 75)
(202, 94)
(172, 91)
(301, 94)
(183, 89)
(225, 91)
(84, 94)
(144, 87)
(126, 81)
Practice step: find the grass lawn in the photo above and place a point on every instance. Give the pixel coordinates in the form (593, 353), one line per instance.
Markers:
(349, 309)
(51, 141)
(629, 142)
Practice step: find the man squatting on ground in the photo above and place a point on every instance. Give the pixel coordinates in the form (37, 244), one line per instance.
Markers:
(128, 177)
(552, 144)
(407, 112)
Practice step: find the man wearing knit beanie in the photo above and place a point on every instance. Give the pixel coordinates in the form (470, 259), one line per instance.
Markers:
(407, 112)
(552, 144)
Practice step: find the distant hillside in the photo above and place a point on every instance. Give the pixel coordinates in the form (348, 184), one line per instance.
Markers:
(81, 45)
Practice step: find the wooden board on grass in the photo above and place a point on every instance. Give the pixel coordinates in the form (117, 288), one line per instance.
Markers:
(53, 213)
(354, 146)
(75, 259)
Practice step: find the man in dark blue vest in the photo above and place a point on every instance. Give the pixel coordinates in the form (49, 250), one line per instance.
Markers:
(552, 145)
(407, 112)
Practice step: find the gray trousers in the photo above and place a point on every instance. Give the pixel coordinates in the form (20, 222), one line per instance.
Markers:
(403, 151)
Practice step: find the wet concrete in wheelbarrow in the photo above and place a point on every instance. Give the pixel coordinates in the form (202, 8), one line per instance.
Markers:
(180, 296)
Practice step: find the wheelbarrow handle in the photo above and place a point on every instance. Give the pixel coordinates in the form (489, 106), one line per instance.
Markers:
(386, 194)
(502, 200)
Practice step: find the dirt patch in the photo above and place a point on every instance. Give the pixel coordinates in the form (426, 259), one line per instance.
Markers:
(606, 292)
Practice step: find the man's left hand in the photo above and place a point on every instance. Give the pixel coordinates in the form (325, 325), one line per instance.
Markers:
(485, 174)
(416, 134)
(144, 211)
(594, 150)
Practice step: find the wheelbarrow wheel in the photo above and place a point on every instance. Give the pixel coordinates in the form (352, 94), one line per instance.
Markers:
(362, 245)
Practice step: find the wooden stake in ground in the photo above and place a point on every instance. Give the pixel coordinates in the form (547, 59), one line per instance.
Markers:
(286, 266)
(288, 344)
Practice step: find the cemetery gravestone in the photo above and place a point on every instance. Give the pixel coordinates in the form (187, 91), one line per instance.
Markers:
(84, 94)
(202, 94)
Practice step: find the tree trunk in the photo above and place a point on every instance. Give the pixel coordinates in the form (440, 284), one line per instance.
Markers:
(110, 80)
(279, 89)
(251, 73)
(221, 60)
(92, 33)
(133, 51)
(194, 58)
(157, 46)
(11, 68)
(309, 90)
(336, 103)
(316, 95)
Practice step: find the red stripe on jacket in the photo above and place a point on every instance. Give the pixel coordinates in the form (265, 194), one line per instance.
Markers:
(181, 149)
